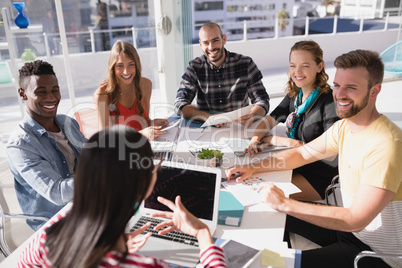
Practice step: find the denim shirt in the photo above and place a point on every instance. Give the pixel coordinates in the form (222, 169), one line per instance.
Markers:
(42, 178)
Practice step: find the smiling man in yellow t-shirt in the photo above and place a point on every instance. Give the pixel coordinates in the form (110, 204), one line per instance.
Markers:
(370, 153)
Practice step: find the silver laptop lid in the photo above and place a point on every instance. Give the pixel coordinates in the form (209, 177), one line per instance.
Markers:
(199, 188)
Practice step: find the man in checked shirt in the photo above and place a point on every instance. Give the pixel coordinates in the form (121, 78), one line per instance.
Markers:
(223, 81)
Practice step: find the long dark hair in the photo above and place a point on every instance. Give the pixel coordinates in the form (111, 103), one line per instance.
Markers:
(113, 175)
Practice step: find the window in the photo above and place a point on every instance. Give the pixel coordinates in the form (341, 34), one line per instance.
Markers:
(205, 6)
(392, 3)
(231, 8)
(199, 23)
(243, 18)
(258, 7)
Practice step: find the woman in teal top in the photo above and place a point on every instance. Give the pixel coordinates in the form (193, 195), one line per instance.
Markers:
(307, 110)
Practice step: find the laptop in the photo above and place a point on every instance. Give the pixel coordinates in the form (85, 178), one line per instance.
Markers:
(199, 188)
(164, 146)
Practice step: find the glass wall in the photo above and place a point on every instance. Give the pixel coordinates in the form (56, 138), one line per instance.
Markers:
(91, 25)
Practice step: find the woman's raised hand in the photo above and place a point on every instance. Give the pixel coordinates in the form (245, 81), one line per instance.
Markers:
(184, 221)
(134, 243)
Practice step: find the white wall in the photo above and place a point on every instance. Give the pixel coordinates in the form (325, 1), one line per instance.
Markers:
(273, 53)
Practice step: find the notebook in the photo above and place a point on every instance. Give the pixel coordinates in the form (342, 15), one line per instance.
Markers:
(199, 188)
(165, 148)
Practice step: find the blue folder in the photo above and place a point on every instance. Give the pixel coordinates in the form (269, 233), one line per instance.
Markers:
(230, 209)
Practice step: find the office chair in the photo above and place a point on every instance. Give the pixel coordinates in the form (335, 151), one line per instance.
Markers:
(331, 189)
(13, 228)
(88, 121)
(392, 58)
(367, 253)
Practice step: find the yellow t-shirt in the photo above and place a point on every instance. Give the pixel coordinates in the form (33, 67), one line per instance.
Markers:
(372, 157)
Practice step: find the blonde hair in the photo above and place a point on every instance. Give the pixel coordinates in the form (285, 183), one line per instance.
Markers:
(112, 87)
(321, 81)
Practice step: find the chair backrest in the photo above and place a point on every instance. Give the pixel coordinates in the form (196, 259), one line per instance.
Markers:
(5, 73)
(88, 121)
(392, 58)
(13, 231)
(333, 194)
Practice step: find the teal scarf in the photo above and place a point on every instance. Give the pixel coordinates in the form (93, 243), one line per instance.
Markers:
(292, 121)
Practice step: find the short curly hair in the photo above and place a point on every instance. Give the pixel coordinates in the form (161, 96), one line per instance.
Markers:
(29, 69)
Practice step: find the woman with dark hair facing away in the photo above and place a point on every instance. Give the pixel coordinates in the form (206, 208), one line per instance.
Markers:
(124, 96)
(107, 192)
(308, 110)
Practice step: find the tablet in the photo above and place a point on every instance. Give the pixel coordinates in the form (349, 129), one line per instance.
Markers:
(265, 149)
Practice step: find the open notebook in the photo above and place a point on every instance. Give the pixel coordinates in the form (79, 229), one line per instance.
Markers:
(199, 188)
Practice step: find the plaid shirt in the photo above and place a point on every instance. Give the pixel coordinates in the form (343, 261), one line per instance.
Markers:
(222, 89)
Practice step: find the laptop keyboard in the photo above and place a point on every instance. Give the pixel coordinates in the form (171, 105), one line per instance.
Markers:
(175, 236)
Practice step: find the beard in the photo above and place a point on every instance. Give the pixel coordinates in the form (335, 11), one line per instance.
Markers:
(354, 110)
(219, 56)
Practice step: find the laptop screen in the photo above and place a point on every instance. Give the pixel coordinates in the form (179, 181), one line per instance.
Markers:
(196, 188)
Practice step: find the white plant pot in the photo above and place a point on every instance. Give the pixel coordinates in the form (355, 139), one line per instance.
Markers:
(206, 162)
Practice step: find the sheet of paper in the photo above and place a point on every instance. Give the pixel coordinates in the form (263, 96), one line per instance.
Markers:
(171, 125)
(168, 136)
(237, 144)
(158, 146)
(247, 191)
(271, 258)
(281, 257)
(191, 134)
(227, 117)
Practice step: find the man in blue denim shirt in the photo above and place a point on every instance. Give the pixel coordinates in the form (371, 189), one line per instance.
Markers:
(44, 148)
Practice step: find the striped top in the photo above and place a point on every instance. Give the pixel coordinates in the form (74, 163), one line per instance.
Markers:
(35, 254)
(373, 157)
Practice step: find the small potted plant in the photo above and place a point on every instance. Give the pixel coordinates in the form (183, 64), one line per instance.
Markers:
(206, 157)
(218, 155)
